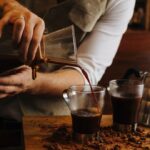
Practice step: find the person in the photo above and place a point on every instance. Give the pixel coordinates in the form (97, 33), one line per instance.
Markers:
(20, 95)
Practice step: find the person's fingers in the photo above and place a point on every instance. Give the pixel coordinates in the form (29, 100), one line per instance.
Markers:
(18, 29)
(4, 95)
(26, 39)
(14, 71)
(3, 22)
(16, 79)
(36, 39)
(10, 80)
(9, 89)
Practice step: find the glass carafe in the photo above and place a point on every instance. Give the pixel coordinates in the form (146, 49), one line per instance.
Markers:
(144, 114)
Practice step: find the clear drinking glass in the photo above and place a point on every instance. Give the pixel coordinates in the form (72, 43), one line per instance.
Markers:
(126, 98)
(144, 115)
(86, 106)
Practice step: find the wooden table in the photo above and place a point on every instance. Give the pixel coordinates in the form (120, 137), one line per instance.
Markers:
(36, 129)
(33, 125)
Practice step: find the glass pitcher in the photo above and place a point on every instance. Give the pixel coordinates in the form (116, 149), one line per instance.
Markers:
(144, 114)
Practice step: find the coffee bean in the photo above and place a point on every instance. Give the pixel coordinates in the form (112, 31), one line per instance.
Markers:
(139, 130)
(143, 138)
(146, 148)
(132, 139)
(117, 147)
(148, 135)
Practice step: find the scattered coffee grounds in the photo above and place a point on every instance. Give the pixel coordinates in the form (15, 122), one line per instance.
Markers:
(60, 138)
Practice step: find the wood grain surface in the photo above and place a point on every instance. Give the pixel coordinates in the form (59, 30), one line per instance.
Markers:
(38, 130)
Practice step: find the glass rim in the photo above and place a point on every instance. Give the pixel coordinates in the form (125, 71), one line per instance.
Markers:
(96, 88)
(130, 81)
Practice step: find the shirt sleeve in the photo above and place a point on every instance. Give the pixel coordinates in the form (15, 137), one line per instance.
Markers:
(97, 51)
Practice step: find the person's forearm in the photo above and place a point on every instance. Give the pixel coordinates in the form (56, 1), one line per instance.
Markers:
(56, 82)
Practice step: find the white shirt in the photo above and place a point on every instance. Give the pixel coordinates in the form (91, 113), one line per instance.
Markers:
(97, 51)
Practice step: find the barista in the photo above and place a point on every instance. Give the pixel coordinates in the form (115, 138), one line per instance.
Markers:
(20, 95)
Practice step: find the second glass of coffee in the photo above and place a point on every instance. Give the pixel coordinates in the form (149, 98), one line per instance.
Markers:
(126, 98)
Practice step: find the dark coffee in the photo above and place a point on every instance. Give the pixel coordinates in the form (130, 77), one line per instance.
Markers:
(125, 109)
(85, 121)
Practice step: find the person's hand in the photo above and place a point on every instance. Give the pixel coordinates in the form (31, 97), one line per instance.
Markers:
(16, 81)
(28, 28)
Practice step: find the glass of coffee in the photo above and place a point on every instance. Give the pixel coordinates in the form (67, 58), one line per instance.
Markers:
(126, 98)
(86, 105)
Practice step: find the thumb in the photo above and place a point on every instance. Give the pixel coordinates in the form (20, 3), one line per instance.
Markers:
(3, 21)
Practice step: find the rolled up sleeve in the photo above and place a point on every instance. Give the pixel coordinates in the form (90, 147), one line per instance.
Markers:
(98, 49)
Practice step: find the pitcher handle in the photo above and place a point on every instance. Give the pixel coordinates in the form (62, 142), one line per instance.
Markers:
(132, 71)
